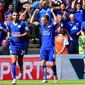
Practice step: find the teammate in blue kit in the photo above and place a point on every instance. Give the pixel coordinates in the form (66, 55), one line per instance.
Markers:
(17, 30)
(47, 48)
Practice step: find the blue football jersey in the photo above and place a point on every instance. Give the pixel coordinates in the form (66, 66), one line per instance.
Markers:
(83, 26)
(47, 34)
(80, 15)
(73, 28)
(20, 28)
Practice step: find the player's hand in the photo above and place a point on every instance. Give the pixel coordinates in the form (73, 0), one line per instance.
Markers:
(71, 38)
(17, 36)
(8, 38)
(37, 10)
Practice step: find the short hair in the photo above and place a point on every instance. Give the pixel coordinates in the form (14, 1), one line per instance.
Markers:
(46, 16)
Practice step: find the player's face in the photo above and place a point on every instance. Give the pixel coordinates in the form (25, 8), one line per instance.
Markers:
(44, 21)
(15, 16)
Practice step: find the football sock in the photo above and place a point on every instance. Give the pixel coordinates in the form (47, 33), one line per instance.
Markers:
(54, 71)
(20, 62)
(13, 70)
(44, 70)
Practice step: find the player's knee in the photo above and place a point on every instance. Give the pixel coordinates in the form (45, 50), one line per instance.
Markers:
(13, 60)
(14, 63)
(43, 62)
(52, 63)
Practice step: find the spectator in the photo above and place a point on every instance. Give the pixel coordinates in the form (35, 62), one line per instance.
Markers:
(1, 10)
(68, 6)
(81, 43)
(9, 18)
(63, 12)
(17, 5)
(61, 42)
(7, 3)
(79, 11)
(83, 30)
(4, 49)
(3, 32)
(45, 9)
(9, 11)
(73, 27)
(56, 5)
(62, 25)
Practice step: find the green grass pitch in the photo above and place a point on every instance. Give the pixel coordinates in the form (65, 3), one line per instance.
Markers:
(38, 82)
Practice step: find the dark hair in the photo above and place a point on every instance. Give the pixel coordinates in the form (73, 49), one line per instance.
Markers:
(46, 16)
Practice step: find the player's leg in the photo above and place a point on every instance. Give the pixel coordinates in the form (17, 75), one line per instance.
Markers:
(44, 71)
(20, 63)
(13, 57)
(84, 60)
(43, 62)
(53, 65)
(13, 54)
(20, 60)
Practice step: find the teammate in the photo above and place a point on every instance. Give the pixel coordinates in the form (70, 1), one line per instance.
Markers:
(47, 48)
(17, 30)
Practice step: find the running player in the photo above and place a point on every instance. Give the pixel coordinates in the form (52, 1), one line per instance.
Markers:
(17, 30)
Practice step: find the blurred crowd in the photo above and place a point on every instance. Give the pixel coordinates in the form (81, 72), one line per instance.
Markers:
(70, 17)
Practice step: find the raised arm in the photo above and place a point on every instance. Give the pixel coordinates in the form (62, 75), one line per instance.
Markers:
(32, 18)
(84, 4)
(50, 3)
(54, 16)
(73, 4)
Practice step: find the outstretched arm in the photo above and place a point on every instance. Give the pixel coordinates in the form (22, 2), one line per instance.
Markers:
(54, 16)
(84, 4)
(32, 18)
(73, 4)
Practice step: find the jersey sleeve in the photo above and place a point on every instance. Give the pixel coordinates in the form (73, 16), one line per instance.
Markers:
(83, 26)
(26, 28)
(8, 27)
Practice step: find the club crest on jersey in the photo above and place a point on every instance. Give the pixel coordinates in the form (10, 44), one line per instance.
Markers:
(46, 32)
(49, 26)
(19, 26)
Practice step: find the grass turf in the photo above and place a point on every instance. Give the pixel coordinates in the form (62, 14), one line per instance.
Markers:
(38, 82)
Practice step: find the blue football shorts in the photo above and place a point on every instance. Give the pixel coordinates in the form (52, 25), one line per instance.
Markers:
(47, 53)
